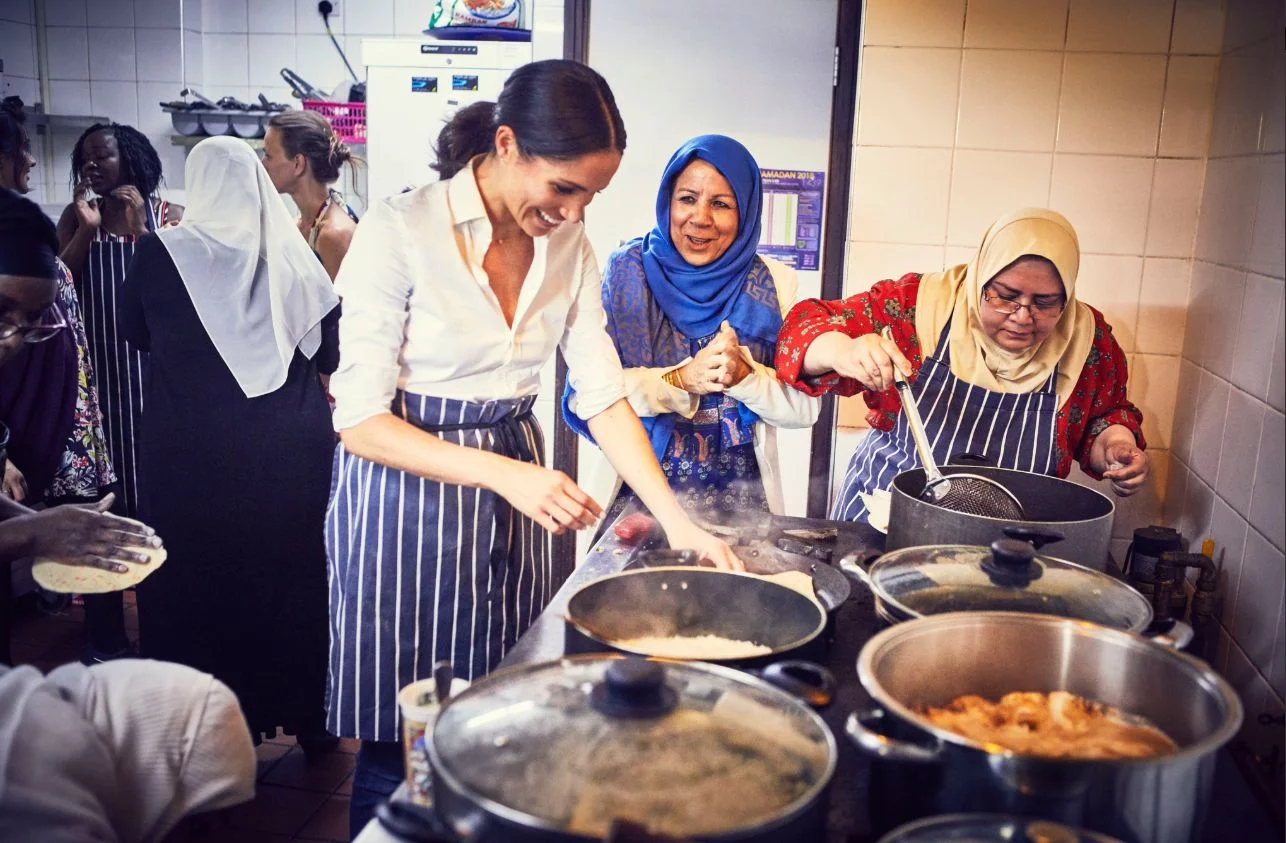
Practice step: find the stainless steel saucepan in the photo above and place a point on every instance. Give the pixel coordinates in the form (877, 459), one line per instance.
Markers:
(921, 770)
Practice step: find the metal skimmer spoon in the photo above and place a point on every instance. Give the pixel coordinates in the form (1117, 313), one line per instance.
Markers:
(968, 493)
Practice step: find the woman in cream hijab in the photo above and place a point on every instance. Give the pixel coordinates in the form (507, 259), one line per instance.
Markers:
(1004, 362)
(118, 752)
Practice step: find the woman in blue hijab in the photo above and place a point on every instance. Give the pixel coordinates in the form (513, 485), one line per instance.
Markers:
(694, 313)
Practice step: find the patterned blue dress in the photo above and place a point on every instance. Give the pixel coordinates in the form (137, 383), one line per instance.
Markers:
(710, 458)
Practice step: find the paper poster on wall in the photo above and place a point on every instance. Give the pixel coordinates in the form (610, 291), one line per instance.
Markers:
(791, 228)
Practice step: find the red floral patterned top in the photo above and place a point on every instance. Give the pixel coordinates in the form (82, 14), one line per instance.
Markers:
(1097, 402)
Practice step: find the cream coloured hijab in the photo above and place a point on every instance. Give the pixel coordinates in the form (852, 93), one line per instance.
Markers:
(956, 295)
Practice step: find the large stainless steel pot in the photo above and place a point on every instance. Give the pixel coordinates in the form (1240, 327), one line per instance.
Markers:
(1083, 515)
(552, 751)
(921, 770)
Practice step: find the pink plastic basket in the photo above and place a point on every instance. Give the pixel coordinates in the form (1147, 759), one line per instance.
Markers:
(348, 119)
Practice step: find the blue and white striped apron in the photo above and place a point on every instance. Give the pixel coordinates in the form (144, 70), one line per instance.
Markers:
(421, 571)
(1013, 430)
(118, 368)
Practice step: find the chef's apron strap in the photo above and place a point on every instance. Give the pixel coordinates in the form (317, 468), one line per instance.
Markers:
(505, 419)
(943, 349)
(511, 439)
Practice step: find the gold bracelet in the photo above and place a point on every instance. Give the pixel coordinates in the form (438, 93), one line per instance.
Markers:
(672, 378)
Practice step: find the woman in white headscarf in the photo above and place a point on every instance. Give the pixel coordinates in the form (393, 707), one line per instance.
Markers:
(237, 320)
(117, 753)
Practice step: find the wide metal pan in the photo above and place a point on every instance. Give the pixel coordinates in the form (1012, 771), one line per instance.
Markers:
(690, 601)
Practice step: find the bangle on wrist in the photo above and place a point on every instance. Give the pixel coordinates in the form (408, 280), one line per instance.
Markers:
(672, 378)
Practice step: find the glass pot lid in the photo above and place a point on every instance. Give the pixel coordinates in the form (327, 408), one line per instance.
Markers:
(685, 749)
(1008, 576)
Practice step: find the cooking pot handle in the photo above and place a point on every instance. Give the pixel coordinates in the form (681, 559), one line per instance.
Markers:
(812, 683)
(850, 565)
(1035, 536)
(971, 458)
(860, 729)
(409, 822)
(1171, 633)
(665, 556)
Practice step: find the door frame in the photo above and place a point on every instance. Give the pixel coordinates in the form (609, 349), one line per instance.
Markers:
(839, 173)
(566, 443)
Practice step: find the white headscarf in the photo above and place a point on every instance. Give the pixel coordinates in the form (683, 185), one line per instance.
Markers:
(259, 291)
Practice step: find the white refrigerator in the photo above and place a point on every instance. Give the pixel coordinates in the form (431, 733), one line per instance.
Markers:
(413, 86)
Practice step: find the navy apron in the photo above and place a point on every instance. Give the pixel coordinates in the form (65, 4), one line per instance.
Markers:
(421, 571)
(118, 368)
(1013, 430)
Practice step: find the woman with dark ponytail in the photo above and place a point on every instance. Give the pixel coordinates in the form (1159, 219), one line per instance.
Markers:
(303, 157)
(456, 294)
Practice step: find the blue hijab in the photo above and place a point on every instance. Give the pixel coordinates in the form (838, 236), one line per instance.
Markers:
(698, 298)
(659, 307)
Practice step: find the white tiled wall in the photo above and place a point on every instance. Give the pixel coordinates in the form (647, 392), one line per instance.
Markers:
(113, 59)
(1099, 109)
(1227, 475)
(18, 51)
(119, 58)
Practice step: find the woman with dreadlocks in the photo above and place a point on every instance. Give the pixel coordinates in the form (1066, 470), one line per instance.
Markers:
(96, 235)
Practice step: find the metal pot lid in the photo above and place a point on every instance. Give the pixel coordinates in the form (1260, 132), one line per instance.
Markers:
(1008, 576)
(991, 828)
(685, 749)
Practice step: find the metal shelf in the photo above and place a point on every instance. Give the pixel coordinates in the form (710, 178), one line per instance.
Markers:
(189, 141)
(61, 122)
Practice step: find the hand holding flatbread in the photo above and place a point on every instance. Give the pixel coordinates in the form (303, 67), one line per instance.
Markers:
(87, 550)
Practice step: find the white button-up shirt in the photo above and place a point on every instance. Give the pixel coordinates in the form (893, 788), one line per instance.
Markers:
(420, 315)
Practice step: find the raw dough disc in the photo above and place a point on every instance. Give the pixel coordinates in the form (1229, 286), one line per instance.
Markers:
(81, 579)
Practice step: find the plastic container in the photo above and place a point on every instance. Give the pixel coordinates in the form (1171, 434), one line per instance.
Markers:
(419, 705)
(348, 119)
